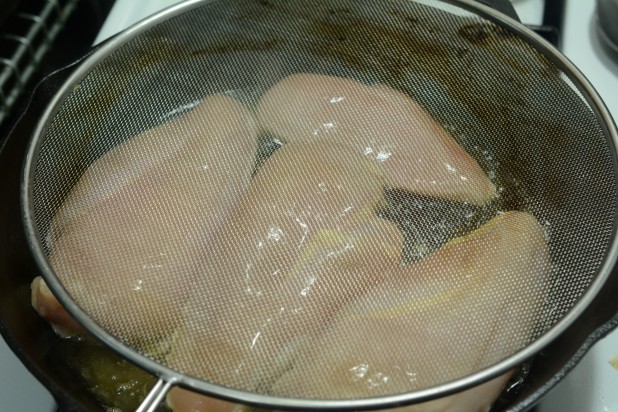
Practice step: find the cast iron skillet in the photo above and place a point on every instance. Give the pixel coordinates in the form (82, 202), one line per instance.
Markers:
(33, 341)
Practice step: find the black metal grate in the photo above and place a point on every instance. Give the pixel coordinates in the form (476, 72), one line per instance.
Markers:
(25, 39)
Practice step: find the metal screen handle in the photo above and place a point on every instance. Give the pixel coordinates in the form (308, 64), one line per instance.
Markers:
(156, 395)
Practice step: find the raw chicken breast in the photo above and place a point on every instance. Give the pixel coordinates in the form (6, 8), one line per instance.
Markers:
(302, 242)
(388, 127)
(126, 240)
(51, 310)
(464, 308)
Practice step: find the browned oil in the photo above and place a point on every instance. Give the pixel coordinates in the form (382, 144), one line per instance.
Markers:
(115, 384)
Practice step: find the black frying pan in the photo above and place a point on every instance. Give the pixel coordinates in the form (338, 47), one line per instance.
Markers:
(34, 342)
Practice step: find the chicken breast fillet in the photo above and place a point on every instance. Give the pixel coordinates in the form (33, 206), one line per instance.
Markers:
(466, 307)
(303, 241)
(300, 293)
(127, 238)
(412, 150)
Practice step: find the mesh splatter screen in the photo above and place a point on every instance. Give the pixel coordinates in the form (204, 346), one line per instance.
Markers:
(325, 199)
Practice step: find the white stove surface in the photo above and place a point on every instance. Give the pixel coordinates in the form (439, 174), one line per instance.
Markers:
(591, 387)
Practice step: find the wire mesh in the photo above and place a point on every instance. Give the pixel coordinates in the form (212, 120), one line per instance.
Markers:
(249, 243)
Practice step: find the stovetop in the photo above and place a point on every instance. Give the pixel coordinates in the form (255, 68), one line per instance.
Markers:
(590, 387)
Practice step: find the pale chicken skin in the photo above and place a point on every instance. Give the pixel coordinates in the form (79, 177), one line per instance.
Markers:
(464, 308)
(304, 240)
(126, 241)
(412, 150)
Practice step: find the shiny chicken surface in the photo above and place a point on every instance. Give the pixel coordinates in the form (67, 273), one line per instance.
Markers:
(450, 309)
(294, 286)
(386, 126)
(126, 240)
(303, 241)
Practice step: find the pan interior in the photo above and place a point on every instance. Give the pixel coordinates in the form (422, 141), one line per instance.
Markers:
(524, 119)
